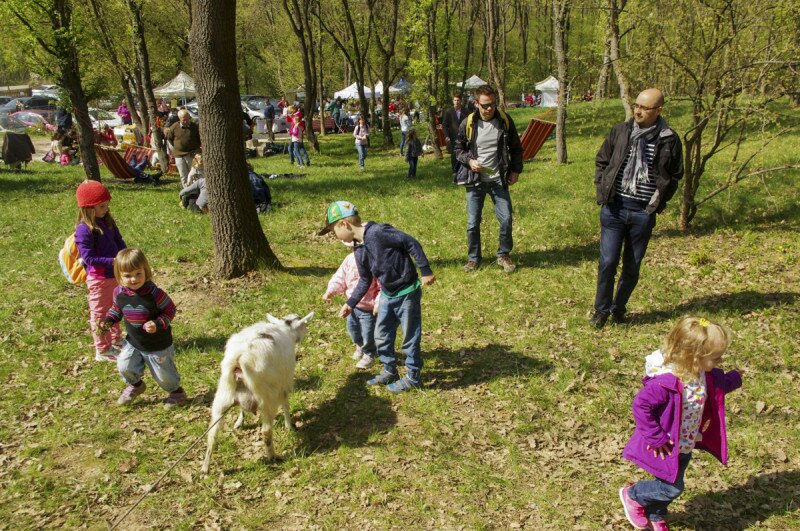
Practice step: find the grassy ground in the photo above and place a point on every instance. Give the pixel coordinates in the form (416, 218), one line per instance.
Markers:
(525, 409)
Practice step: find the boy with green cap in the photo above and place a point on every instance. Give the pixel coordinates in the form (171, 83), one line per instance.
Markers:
(385, 253)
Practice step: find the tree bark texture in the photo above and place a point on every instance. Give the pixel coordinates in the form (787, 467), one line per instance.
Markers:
(386, 45)
(432, 49)
(143, 60)
(615, 7)
(240, 245)
(560, 23)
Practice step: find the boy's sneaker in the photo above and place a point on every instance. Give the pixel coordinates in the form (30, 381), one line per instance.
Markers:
(506, 263)
(403, 384)
(385, 377)
(357, 354)
(131, 392)
(365, 362)
(659, 525)
(176, 398)
(633, 511)
(106, 355)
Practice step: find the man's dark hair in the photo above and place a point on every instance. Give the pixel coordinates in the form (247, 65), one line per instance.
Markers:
(458, 95)
(485, 90)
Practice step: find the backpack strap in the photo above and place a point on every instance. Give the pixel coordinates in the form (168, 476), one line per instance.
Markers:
(471, 120)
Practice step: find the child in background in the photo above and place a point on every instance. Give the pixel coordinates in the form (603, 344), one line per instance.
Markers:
(361, 134)
(681, 407)
(66, 156)
(361, 322)
(148, 313)
(197, 170)
(54, 153)
(98, 240)
(413, 152)
(387, 257)
(296, 132)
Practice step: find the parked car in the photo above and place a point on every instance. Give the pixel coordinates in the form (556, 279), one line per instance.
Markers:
(100, 118)
(15, 104)
(34, 119)
(41, 103)
(4, 100)
(9, 123)
(252, 112)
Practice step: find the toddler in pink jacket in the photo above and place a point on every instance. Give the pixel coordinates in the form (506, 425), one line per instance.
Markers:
(361, 322)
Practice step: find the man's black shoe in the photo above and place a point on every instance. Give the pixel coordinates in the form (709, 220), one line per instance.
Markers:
(598, 320)
(619, 318)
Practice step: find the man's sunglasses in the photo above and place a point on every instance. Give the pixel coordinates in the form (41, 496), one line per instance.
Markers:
(486, 106)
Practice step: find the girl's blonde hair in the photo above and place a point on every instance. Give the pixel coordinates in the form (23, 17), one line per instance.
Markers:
(692, 340)
(130, 259)
(87, 217)
(197, 161)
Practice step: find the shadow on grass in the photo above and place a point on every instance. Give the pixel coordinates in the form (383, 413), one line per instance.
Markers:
(348, 419)
(453, 369)
(741, 507)
(203, 344)
(742, 302)
(554, 257)
(310, 271)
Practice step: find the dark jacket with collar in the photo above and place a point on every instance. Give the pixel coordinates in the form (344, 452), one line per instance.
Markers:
(451, 122)
(509, 150)
(667, 165)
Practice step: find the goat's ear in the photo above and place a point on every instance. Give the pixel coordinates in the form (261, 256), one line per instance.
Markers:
(272, 319)
(307, 318)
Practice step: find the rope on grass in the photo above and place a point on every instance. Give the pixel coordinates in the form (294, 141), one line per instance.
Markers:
(154, 485)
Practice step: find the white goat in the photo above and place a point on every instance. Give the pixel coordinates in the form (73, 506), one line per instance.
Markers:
(258, 374)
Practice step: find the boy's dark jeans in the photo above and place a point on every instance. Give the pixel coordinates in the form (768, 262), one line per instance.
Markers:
(361, 327)
(412, 166)
(656, 495)
(405, 311)
(622, 224)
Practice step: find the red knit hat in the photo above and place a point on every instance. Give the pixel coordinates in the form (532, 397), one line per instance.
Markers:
(91, 193)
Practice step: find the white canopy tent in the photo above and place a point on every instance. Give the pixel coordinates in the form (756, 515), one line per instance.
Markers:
(394, 89)
(401, 86)
(181, 86)
(472, 83)
(549, 90)
(351, 92)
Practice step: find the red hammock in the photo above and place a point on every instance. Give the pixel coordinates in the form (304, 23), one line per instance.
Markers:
(534, 136)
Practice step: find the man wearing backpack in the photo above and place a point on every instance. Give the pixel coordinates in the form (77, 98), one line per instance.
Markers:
(490, 156)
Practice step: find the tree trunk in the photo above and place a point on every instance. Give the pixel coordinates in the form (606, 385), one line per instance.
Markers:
(142, 110)
(615, 7)
(602, 78)
(560, 21)
(320, 83)
(433, 79)
(299, 14)
(492, 27)
(240, 245)
(71, 81)
(143, 59)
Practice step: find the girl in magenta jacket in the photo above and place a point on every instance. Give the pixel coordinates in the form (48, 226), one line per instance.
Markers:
(680, 407)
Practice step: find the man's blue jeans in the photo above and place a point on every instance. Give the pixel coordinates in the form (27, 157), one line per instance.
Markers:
(625, 230)
(361, 327)
(656, 495)
(476, 195)
(405, 311)
(362, 154)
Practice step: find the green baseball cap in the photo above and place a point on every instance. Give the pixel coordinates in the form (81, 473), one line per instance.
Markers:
(336, 211)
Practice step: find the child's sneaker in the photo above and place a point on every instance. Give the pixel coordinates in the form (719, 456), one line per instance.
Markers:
(175, 398)
(131, 392)
(659, 525)
(385, 377)
(633, 511)
(365, 362)
(106, 355)
(357, 354)
(403, 384)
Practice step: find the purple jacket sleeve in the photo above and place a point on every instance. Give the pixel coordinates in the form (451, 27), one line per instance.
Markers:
(732, 381)
(87, 248)
(645, 413)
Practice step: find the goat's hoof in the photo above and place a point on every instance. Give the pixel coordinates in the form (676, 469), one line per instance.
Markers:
(204, 469)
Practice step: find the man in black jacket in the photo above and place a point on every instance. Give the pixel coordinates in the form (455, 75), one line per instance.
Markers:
(637, 171)
(490, 160)
(451, 120)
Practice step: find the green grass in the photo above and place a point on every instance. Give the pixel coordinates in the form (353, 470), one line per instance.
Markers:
(525, 411)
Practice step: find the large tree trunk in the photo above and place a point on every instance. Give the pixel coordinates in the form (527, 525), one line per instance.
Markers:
(602, 78)
(71, 81)
(560, 23)
(143, 59)
(240, 245)
(433, 78)
(493, 27)
(615, 7)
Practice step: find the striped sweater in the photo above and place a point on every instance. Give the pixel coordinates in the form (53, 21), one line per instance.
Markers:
(148, 303)
(645, 190)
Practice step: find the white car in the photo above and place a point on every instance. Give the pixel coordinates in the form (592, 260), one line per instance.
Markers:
(100, 118)
(252, 112)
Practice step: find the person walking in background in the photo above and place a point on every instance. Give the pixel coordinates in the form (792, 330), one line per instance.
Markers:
(124, 113)
(489, 153)
(296, 131)
(405, 123)
(184, 136)
(361, 134)
(269, 120)
(636, 172)
(413, 152)
(451, 121)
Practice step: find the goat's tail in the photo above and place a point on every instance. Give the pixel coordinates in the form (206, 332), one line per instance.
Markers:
(223, 399)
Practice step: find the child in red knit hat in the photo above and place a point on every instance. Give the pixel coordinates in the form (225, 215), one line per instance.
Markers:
(98, 240)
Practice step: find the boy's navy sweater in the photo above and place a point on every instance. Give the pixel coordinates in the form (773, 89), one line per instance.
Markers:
(386, 255)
